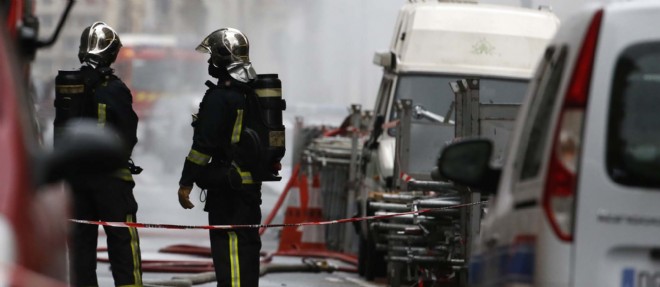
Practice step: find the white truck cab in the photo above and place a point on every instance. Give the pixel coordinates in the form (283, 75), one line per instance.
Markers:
(437, 42)
(577, 203)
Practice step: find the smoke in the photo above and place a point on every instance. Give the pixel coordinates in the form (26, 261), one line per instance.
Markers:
(322, 51)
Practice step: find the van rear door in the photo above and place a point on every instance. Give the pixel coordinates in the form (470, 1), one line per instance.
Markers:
(617, 228)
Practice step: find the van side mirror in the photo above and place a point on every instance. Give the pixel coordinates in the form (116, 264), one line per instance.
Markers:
(385, 59)
(83, 150)
(468, 163)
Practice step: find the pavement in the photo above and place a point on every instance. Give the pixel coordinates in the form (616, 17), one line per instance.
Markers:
(156, 195)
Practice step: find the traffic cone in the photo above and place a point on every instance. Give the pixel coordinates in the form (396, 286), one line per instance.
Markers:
(290, 237)
(307, 241)
(303, 207)
(313, 236)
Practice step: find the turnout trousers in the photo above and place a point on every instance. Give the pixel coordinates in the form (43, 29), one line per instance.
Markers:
(104, 198)
(235, 252)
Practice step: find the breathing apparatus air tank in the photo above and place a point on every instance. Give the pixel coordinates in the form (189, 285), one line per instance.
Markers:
(70, 99)
(262, 141)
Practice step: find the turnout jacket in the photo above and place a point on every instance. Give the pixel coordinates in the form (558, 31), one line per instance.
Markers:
(113, 107)
(217, 127)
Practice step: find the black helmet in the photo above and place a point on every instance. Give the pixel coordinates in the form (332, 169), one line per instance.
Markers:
(229, 48)
(99, 45)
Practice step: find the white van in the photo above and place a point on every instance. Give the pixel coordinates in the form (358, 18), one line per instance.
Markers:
(437, 42)
(578, 196)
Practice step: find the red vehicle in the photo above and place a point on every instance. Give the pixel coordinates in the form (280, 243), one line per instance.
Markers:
(154, 67)
(16, 12)
(21, 24)
(34, 205)
(19, 203)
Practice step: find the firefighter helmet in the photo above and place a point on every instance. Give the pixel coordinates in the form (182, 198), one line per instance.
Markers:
(229, 48)
(99, 45)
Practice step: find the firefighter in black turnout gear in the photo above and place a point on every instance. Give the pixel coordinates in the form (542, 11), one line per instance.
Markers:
(233, 196)
(94, 92)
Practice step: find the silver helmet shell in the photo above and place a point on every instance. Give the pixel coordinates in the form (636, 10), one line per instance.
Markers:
(229, 48)
(99, 45)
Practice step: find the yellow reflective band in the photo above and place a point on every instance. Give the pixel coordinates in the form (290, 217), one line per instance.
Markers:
(70, 89)
(269, 92)
(124, 174)
(238, 125)
(101, 115)
(198, 158)
(246, 176)
(135, 250)
(233, 259)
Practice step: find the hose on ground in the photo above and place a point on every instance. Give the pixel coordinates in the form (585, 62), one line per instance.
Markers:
(200, 278)
(308, 265)
(169, 283)
(183, 281)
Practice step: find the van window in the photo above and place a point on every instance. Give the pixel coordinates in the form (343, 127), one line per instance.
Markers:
(633, 146)
(435, 95)
(543, 101)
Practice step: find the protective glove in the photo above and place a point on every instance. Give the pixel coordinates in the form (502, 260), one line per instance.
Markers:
(184, 197)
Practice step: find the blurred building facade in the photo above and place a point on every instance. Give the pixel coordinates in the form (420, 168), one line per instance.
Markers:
(126, 16)
(323, 49)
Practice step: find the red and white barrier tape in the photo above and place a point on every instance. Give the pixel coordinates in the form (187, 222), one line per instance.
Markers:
(236, 226)
(406, 177)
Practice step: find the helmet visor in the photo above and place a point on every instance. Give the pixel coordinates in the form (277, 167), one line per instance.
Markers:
(205, 46)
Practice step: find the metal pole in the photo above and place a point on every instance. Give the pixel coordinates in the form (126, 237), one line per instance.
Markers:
(298, 141)
(402, 150)
(349, 234)
(474, 222)
(466, 94)
(473, 97)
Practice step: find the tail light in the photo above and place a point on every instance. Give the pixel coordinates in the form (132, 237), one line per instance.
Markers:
(561, 182)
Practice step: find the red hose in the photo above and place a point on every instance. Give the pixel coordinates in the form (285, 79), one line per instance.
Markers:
(187, 266)
(205, 251)
(172, 266)
(177, 266)
(187, 250)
